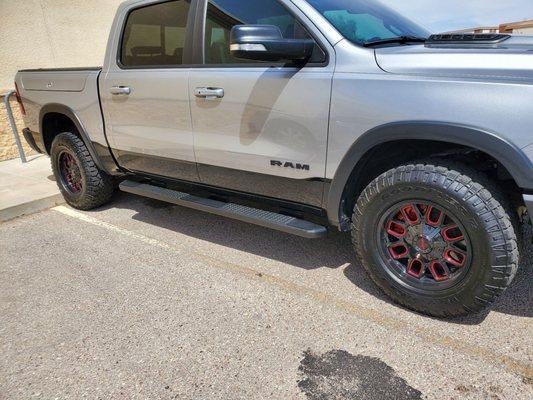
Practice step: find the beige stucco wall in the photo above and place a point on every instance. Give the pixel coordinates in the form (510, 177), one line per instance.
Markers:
(52, 33)
(49, 34)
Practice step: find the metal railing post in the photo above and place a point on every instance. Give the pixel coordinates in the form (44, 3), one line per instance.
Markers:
(14, 125)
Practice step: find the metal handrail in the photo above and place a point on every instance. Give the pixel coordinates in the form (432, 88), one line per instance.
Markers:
(14, 125)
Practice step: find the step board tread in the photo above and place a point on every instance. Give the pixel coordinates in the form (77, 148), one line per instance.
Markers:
(255, 216)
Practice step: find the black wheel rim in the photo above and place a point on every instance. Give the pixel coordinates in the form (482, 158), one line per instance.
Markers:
(71, 177)
(424, 246)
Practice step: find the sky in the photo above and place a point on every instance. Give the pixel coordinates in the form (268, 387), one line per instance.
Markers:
(446, 15)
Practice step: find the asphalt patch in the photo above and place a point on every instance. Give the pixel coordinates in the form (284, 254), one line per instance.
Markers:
(338, 374)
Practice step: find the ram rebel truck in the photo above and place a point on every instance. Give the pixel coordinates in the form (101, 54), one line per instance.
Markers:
(306, 116)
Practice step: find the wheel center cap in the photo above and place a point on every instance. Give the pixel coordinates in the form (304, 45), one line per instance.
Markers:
(423, 244)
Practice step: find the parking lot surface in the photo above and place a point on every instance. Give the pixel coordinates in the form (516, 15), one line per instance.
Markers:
(143, 299)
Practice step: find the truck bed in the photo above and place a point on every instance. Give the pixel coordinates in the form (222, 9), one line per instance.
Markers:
(71, 91)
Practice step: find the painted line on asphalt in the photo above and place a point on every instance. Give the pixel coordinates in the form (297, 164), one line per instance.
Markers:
(511, 364)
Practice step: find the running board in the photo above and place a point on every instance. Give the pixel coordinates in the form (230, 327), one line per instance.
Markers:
(255, 216)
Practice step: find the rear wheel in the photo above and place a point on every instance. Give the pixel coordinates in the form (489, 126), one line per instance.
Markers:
(82, 184)
(436, 239)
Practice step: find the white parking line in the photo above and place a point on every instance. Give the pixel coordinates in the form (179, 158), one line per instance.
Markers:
(509, 363)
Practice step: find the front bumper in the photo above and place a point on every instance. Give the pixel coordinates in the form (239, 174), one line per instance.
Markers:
(528, 200)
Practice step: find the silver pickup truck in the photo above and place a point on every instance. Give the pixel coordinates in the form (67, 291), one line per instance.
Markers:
(306, 116)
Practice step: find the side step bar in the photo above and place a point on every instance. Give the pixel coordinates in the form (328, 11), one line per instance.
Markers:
(255, 216)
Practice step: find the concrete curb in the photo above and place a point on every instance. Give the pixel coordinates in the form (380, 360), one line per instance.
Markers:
(31, 207)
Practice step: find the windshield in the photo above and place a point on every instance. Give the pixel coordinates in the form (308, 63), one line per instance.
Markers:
(364, 21)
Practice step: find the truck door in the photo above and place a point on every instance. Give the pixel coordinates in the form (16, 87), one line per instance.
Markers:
(259, 127)
(144, 90)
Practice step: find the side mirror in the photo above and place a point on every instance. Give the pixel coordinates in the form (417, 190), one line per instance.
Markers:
(266, 43)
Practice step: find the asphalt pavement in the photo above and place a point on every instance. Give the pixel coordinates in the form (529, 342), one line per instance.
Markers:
(145, 300)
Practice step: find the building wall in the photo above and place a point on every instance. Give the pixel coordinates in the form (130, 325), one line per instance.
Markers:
(524, 31)
(49, 34)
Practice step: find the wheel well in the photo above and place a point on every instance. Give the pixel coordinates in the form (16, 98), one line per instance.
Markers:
(386, 156)
(55, 123)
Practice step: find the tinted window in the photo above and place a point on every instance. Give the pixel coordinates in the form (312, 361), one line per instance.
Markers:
(362, 21)
(155, 35)
(222, 15)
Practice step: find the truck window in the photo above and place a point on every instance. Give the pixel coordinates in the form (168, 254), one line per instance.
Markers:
(222, 15)
(155, 35)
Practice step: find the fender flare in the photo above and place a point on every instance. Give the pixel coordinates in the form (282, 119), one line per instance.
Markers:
(101, 155)
(510, 156)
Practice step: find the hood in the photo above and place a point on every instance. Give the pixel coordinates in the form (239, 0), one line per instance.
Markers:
(509, 59)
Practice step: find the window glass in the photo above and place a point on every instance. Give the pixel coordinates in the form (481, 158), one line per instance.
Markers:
(222, 15)
(362, 21)
(155, 35)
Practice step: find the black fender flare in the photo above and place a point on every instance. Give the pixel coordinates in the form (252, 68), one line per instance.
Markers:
(510, 156)
(101, 155)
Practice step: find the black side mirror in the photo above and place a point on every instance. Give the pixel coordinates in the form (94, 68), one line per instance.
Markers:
(266, 43)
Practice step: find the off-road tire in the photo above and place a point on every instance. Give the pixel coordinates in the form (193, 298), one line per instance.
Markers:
(98, 187)
(482, 210)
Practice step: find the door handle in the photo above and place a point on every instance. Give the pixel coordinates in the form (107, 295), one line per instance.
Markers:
(209, 93)
(120, 90)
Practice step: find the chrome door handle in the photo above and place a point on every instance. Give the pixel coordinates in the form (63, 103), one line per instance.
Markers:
(120, 90)
(209, 93)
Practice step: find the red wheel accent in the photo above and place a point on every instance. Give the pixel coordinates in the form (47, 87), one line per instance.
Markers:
(424, 245)
(416, 268)
(439, 271)
(452, 234)
(455, 257)
(411, 214)
(434, 216)
(396, 229)
(400, 217)
(70, 173)
(399, 251)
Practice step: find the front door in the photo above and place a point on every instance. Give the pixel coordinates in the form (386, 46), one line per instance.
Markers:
(259, 127)
(145, 92)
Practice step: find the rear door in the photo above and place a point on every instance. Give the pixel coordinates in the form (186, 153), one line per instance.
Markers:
(145, 90)
(266, 132)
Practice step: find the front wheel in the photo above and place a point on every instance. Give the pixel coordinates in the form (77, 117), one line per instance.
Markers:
(436, 239)
(82, 184)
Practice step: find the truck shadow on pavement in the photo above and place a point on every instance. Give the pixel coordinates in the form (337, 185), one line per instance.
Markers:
(334, 251)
